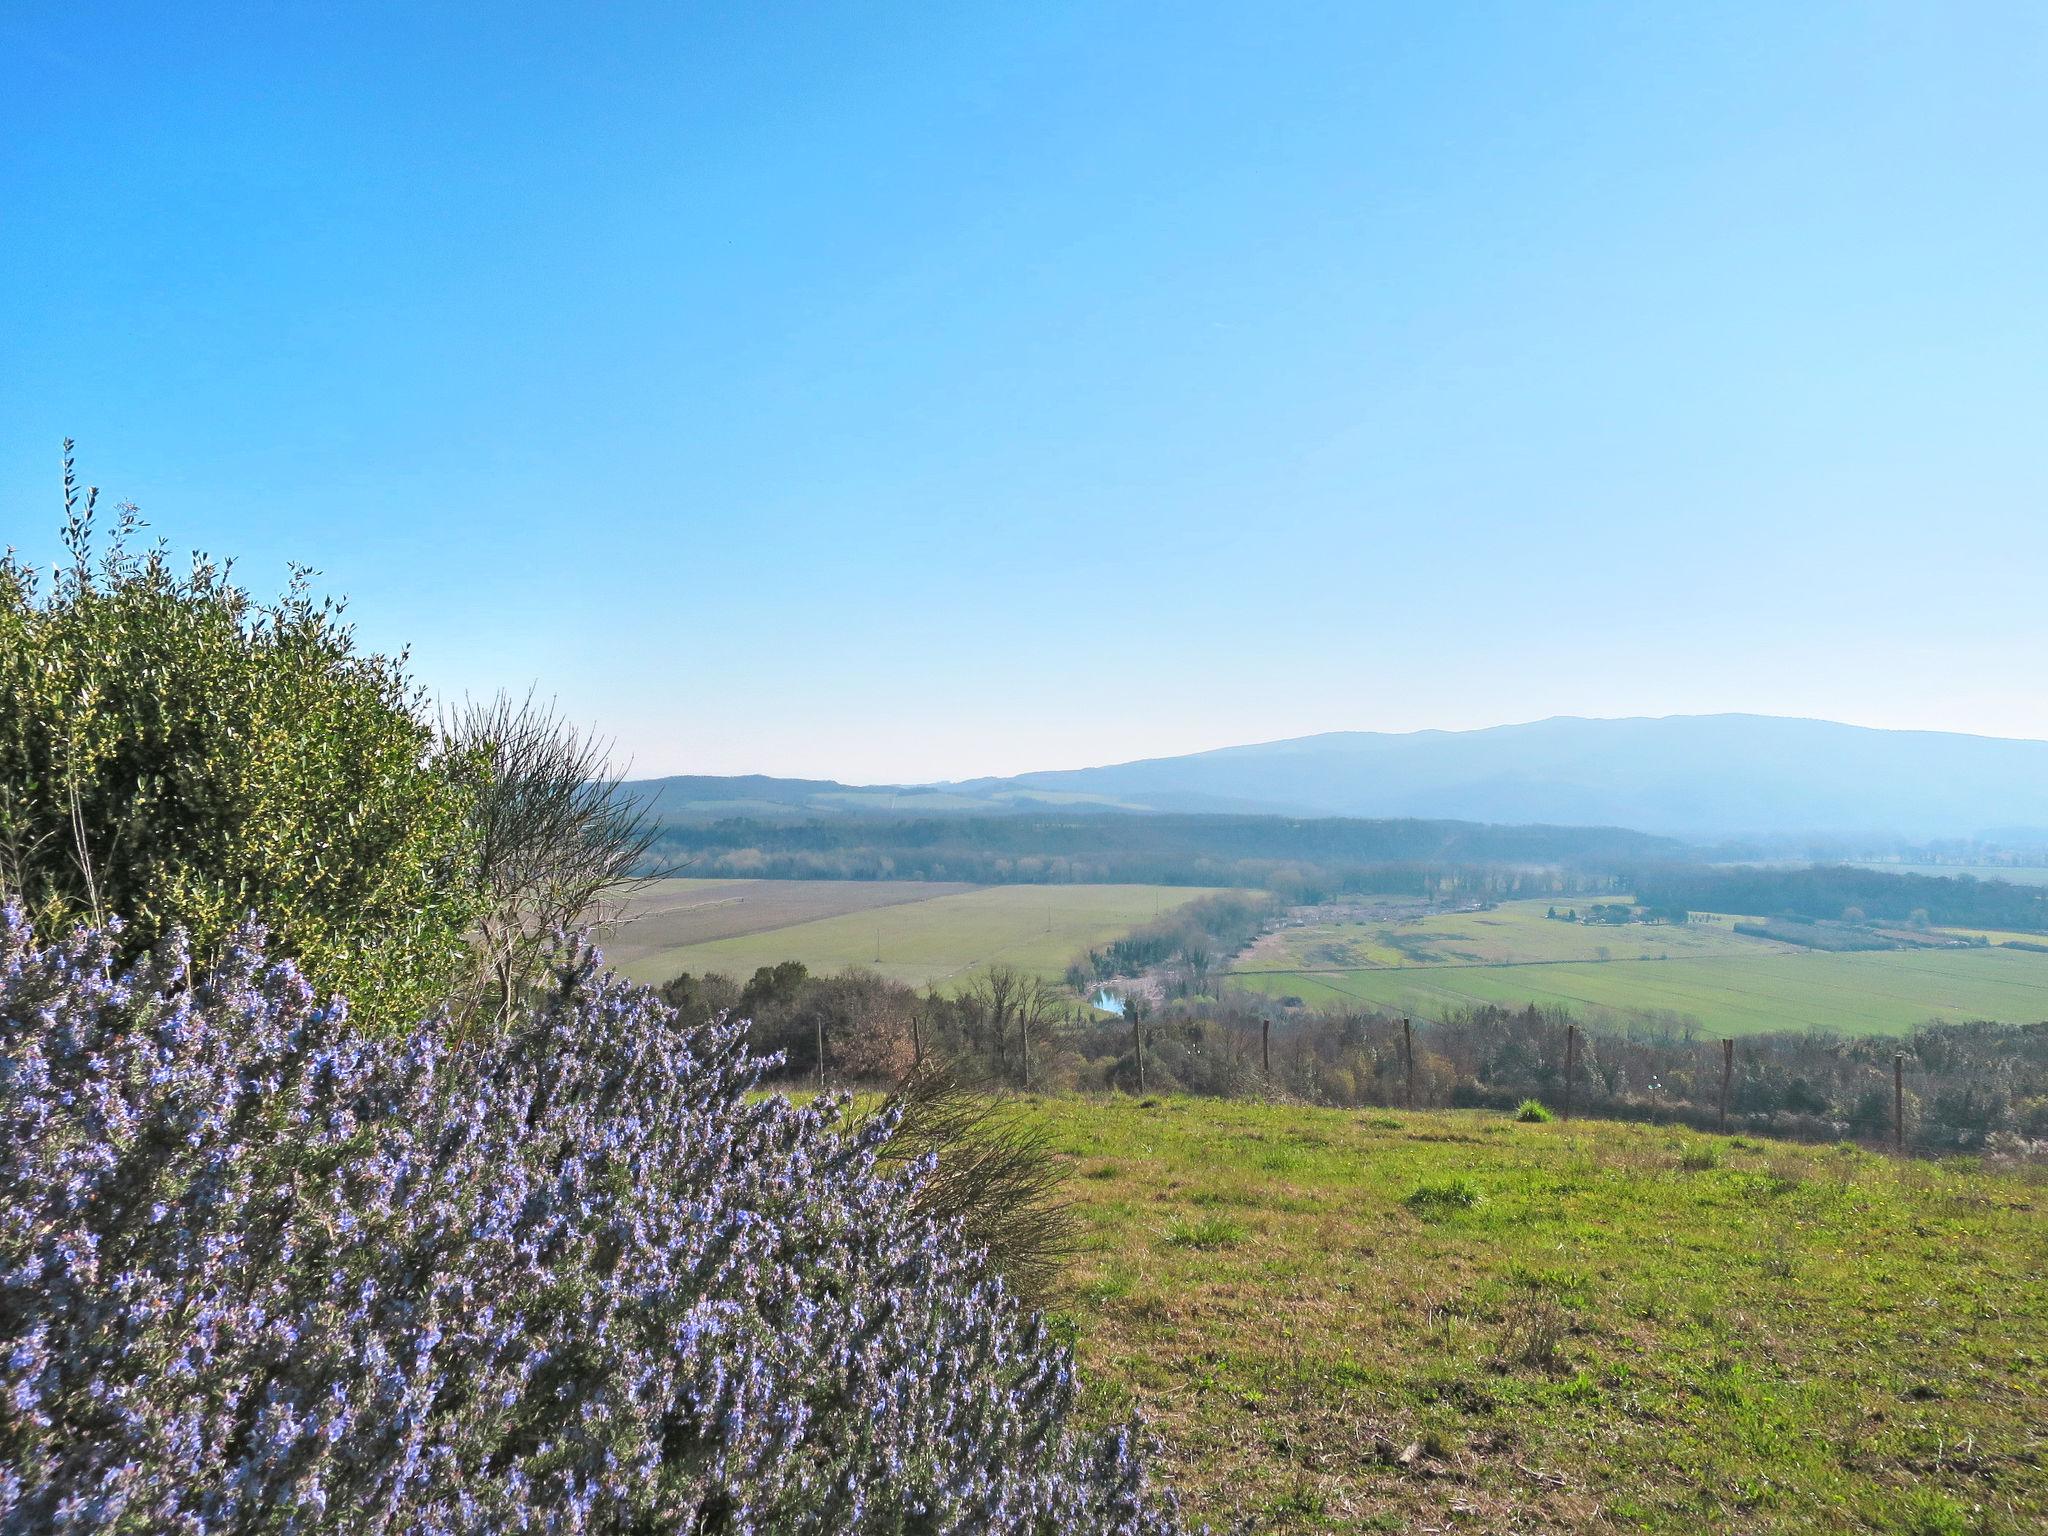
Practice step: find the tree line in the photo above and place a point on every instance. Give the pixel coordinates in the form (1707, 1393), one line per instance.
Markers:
(1833, 890)
(1970, 1086)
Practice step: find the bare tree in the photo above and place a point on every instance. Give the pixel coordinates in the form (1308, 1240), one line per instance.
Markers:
(560, 843)
(1038, 1008)
(998, 993)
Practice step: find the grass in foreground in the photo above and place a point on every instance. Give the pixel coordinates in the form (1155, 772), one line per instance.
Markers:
(1574, 1327)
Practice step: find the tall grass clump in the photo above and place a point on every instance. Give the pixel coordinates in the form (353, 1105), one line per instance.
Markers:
(1532, 1112)
(991, 1176)
(1437, 1197)
(262, 1270)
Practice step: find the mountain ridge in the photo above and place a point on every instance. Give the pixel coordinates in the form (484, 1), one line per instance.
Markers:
(1698, 776)
(1701, 777)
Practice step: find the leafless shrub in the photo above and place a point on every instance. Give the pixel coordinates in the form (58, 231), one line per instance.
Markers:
(1533, 1332)
(560, 845)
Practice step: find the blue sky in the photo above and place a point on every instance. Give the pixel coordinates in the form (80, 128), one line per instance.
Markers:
(885, 391)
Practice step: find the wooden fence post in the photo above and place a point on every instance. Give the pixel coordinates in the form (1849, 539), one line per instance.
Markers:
(1266, 1045)
(821, 1052)
(1727, 1074)
(1138, 1043)
(1899, 1101)
(1408, 1056)
(1571, 1052)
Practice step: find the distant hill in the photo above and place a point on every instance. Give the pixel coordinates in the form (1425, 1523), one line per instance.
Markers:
(1700, 777)
(692, 798)
(1691, 776)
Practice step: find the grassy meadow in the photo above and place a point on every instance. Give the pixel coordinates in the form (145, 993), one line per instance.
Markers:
(1731, 984)
(1576, 1327)
(906, 931)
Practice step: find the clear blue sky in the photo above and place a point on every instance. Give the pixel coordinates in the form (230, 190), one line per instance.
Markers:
(912, 391)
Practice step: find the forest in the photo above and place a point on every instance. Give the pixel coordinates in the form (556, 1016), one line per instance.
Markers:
(1302, 858)
(1839, 890)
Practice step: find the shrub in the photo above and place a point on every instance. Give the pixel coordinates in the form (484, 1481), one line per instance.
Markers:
(1532, 1112)
(1533, 1330)
(262, 1271)
(560, 843)
(176, 752)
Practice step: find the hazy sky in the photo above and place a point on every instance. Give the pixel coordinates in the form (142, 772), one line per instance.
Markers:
(887, 391)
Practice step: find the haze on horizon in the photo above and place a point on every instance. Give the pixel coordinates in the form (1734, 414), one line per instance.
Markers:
(887, 394)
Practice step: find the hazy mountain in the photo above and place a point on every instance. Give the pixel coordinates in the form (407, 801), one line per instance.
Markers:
(688, 798)
(1702, 776)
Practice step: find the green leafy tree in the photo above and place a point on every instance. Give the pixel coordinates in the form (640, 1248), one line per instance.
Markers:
(176, 754)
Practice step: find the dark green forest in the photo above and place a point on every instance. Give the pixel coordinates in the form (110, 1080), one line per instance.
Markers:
(1298, 857)
(1836, 891)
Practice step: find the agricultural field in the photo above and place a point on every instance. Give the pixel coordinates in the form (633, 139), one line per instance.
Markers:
(1514, 933)
(1344, 1321)
(676, 914)
(909, 932)
(1729, 984)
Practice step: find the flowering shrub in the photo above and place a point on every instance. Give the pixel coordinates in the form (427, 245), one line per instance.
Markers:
(259, 1271)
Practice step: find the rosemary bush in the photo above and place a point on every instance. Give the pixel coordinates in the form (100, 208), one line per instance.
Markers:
(263, 1271)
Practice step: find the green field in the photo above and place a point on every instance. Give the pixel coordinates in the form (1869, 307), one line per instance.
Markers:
(1728, 983)
(1581, 1327)
(676, 914)
(1515, 932)
(905, 931)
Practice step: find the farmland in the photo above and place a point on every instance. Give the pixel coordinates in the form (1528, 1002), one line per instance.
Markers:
(676, 914)
(1577, 1327)
(1703, 972)
(908, 931)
